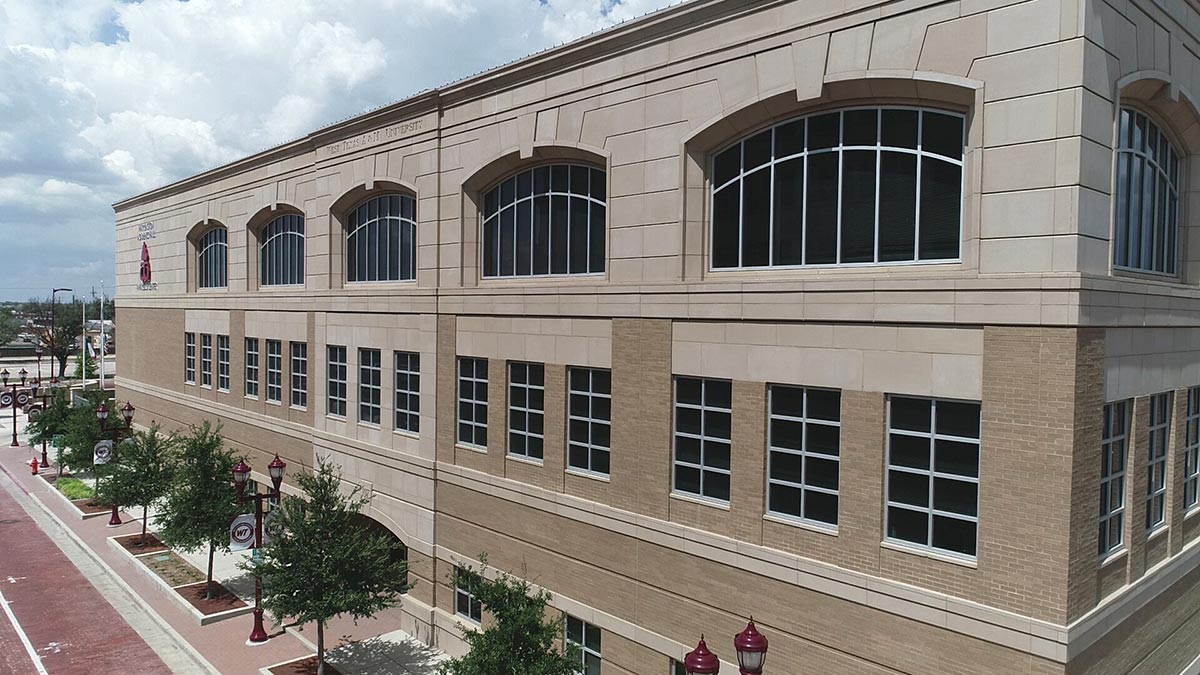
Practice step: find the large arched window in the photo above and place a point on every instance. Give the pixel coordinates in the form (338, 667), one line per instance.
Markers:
(281, 252)
(854, 186)
(212, 259)
(546, 220)
(1147, 204)
(381, 240)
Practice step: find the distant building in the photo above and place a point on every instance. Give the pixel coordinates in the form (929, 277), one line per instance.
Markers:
(877, 321)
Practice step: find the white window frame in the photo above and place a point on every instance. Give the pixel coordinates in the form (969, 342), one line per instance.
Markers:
(206, 361)
(1112, 477)
(335, 389)
(479, 428)
(803, 453)
(1134, 163)
(370, 386)
(474, 612)
(275, 371)
(527, 201)
(189, 358)
(581, 386)
(280, 263)
(932, 474)
(804, 154)
(406, 391)
(1191, 451)
(523, 378)
(702, 438)
(298, 352)
(1158, 419)
(223, 363)
(376, 231)
(251, 347)
(212, 259)
(585, 650)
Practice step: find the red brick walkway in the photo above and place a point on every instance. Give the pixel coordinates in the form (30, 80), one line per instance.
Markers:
(70, 625)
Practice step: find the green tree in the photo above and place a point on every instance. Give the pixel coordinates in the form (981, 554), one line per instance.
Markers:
(57, 327)
(9, 327)
(201, 501)
(324, 564)
(519, 640)
(80, 432)
(52, 419)
(89, 370)
(141, 474)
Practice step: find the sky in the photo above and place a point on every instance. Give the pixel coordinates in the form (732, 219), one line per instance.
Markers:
(104, 99)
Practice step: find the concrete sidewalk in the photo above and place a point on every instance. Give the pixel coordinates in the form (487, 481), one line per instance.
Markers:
(372, 647)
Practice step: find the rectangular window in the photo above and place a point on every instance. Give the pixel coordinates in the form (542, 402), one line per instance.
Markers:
(589, 420)
(703, 419)
(223, 362)
(586, 638)
(299, 374)
(274, 371)
(933, 474)
(1191, 451)
(408, 391)
(189, 358)
(465, 603)
(472, 401)
(526, 409)
(336, 388)
(1113, 445)
(252, 367)
(206, 361)
(370, 373)
(805, 442)
(1156, 461)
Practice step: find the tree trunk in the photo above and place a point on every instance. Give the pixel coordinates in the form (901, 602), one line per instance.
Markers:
(209, 591)
(62, 366)
(320, 648)
(144, 519)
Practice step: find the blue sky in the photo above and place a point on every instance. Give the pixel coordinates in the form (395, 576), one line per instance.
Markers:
(102, 99)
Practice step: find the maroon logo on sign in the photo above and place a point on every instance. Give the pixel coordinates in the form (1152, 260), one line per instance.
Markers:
(145, 264)
(243, 533)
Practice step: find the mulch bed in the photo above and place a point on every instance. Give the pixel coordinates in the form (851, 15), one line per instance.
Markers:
(48, 474)
(173, 569)
(88, 506)
(303, 667)
(132, 543)
(224, 600)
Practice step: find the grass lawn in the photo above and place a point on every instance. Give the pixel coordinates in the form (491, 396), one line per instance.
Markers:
(74, 488)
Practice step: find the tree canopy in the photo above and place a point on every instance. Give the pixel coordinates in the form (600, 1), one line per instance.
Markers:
(9, 327)
(142, 471)
(324, 563)
(201, 500)
(518, 640)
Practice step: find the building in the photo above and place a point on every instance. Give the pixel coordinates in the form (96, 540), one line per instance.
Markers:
(820, 312)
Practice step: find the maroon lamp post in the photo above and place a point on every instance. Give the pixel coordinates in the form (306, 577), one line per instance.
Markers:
(700, 661)
(4, 379)
(117, 429)
(241, 474)
(35, 387)
(751, 648)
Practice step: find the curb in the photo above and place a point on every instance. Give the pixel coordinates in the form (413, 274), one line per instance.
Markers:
(79, 511)
(200, 617)
(197, 659)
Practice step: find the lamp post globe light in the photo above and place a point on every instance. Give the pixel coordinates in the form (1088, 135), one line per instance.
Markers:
(117, 428)
(4, 377)
(751, 648)
(241, 476)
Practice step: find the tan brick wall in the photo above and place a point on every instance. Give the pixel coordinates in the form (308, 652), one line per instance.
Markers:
(1083, 583)
(447, 389)
(1161, 638)
(1135, 490)
(641, 401)
(152, 346)
(1176, 466)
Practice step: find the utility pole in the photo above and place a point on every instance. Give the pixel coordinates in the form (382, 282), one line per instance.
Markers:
(82, 365)
(103, 340)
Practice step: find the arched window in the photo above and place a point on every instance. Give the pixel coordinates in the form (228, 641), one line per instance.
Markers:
(381, 240)
(281, 252)
(854, 186)
(212, 259)
(546, 220)
(1147, 202)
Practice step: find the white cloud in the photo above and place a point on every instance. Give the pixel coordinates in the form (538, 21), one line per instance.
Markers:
(102, 99)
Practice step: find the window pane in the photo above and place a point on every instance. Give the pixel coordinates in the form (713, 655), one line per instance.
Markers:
(821, 220)
(823, 131)
(789, 214)
(860, 127)
(756, 219)
(897, 206)
(899, 128)
(942, 134)
(941, 203)
(858, 206)
(726, 223)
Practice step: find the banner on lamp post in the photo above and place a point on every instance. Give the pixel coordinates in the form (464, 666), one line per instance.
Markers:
(102, 452)
(241, 532)
(272, 527)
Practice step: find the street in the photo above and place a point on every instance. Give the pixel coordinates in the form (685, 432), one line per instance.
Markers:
(53, 611)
